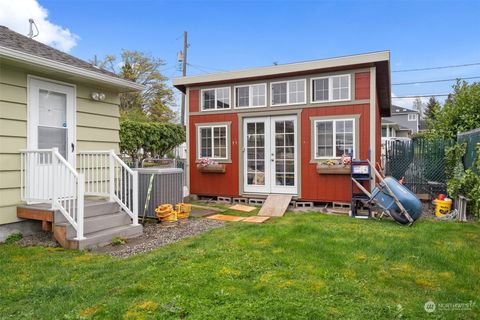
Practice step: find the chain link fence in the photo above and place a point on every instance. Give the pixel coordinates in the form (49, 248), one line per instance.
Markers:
(420, 162)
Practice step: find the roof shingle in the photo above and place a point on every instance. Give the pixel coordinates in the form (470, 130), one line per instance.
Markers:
(16, 41)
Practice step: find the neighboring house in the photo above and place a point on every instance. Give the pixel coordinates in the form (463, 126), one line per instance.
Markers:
(402, 123)
(270, 126)
(49, 99)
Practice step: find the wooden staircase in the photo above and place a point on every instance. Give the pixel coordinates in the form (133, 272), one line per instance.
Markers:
(103, 221)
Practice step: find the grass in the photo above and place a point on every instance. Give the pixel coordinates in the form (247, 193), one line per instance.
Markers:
(307, 266)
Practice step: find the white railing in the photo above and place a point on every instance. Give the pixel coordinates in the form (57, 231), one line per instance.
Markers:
(48, 178)
(107, 175)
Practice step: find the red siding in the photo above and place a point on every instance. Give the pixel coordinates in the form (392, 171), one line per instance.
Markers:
(327, 188)
(215, 184)
(314, 187)
(193, 102)
(362, 85)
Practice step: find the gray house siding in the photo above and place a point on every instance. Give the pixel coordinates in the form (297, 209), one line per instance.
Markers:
(402, 121)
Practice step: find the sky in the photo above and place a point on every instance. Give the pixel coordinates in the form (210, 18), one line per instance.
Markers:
(230, 35)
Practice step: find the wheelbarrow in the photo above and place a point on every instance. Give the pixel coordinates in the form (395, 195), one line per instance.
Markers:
(394, 198)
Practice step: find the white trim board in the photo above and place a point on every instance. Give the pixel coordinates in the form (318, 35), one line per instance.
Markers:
(285, 68)
(59, 66)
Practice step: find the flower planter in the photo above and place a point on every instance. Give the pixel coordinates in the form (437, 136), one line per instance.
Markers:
(211, 168)
(333, 169)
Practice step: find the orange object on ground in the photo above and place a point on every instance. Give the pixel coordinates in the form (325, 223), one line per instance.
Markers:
(223, 217)
(183, 210)
(241, 207)
(256, 219)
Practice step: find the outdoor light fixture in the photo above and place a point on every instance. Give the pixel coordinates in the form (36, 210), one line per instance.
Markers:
(98, 96)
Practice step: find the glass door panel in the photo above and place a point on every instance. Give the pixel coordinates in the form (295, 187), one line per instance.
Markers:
(285, 155)
(255, 162)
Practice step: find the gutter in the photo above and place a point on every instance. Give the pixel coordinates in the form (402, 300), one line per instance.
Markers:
(62, 67)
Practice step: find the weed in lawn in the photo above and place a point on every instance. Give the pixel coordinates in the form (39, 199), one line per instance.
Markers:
(118, 241)
(14, 237)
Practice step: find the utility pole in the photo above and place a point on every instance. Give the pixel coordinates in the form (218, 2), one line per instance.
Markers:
(184, 73)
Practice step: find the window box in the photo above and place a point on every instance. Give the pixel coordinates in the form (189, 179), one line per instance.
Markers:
(211, 168)
(333, 167)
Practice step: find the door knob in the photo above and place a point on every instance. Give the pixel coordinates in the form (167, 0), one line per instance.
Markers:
(73, 147)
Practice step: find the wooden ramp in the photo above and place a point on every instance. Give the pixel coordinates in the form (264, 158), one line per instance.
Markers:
(275, 205)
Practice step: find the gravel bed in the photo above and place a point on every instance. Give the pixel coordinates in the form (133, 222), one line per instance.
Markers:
(42, 239)
(157, 235)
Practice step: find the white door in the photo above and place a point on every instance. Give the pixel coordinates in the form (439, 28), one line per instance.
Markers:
(51, 124)
(51, 117)
(270, 155)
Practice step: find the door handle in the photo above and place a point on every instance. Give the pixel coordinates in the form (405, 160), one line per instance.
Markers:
(73, 147)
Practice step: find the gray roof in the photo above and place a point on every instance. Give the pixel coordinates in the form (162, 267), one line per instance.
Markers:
(16, 41)
(397, 109)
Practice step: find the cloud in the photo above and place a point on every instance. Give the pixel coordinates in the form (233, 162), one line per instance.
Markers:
(406, 102)
(14, 14)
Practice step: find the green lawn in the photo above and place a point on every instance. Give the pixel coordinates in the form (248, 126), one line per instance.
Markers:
(301, 266)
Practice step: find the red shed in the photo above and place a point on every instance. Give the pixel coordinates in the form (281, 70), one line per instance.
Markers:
(270, 127)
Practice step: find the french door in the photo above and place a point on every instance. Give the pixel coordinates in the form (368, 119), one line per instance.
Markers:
(270, 155)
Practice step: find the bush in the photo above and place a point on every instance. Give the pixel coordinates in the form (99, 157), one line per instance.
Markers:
(460, 182)
(13, 238)
(156, 139)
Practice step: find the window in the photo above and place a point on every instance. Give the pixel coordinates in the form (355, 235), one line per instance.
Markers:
(333, 138)
(212, 142)
(385, 132)
(215, 99)
(412, 117)
(288, 92)
(250, 96)
(334, 88)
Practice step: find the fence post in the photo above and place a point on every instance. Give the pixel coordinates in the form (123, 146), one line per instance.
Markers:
(135, 198)
(80, 205)
(55, 178)
(111, 168)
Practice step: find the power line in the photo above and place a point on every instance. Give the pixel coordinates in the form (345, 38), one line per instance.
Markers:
(423, 96)
(196, 67)
(204, 67)
(432, 81)
(442, 67)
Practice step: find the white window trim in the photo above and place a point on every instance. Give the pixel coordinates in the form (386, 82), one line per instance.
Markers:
(250, 95)
(288, 91)
(199, 141)
(330, 88)
(415, 118)
(202, 104)
(315, 136)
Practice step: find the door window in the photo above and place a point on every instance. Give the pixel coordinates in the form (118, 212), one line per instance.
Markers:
(52, 121)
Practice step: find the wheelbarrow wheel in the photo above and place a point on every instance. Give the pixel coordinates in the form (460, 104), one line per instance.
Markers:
(398, 216)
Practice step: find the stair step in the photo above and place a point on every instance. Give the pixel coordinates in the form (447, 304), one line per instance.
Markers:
(97, 223)
(104, 237)
(92, 209)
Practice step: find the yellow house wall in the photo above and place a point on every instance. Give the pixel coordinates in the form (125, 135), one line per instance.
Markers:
(97, 129)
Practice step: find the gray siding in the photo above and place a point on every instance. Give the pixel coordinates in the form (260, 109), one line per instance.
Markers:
(402, 120)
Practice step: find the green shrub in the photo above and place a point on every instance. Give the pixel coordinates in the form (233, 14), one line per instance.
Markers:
(117, 241)
(155, 138)
(13, 238)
